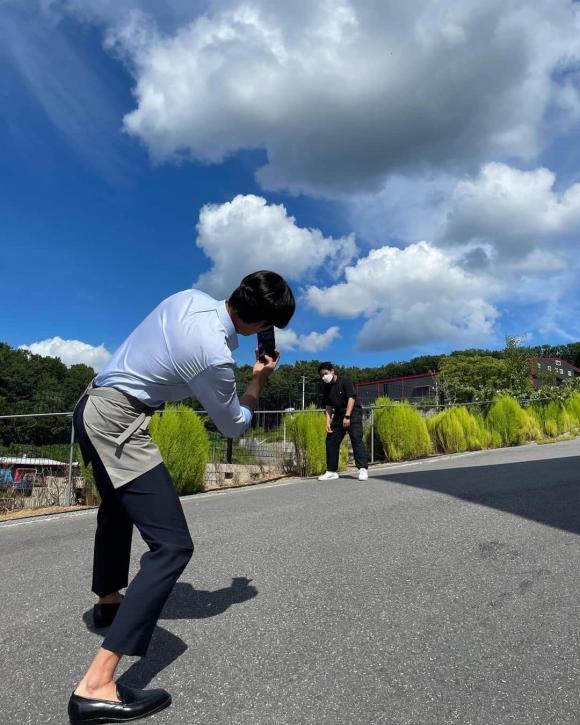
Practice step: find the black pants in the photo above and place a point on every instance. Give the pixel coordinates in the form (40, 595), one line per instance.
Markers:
(334, 439)
(151, 503)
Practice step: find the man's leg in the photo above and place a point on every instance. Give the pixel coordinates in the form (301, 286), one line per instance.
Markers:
(153, 505)
(112, 546)
(112, 552)
(160, 511)
(359, 449)
(333, 441)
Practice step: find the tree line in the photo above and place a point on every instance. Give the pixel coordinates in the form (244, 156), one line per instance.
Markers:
(32, 383)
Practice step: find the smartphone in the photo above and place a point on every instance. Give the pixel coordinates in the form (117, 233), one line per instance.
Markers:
(266, 344)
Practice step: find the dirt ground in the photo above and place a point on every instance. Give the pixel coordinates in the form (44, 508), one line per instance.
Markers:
(25, 513)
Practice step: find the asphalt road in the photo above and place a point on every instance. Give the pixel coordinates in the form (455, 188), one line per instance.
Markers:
(440, 592)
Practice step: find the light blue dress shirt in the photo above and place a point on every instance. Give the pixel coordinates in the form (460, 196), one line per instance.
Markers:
(183, 348)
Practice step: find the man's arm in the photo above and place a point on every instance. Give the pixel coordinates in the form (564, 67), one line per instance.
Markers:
(350, 390)
(215, 388)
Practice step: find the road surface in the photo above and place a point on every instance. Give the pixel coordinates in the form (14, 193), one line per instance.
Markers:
(440, 592)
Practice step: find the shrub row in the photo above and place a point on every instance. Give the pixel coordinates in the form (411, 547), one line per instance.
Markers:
(401, 432)
(308, 433)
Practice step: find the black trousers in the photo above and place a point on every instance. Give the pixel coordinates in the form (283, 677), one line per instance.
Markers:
(334, 439)
(150, 503)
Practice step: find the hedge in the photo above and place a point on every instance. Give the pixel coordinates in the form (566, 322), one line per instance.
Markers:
(307, 431)
(184, 445)
(402, 431)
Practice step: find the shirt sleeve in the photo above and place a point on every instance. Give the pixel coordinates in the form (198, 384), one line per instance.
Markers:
(215, 388)
(349, 388)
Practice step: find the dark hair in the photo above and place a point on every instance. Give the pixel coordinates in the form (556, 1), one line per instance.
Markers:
(325, 366)
(263, 296)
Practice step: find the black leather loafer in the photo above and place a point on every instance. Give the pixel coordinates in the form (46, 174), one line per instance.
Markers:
(134, 705)
(103, 614)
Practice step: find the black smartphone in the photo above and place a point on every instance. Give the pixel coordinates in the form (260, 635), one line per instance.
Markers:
(266, 344)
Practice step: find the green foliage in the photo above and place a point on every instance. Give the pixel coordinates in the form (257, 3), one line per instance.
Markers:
(517, 361)
(510, 422)
(184, 445)
(402, 431)
(573, 408)
(35, 384)
(307, 430)
(553, 417)
(465, 378)
(456, 430)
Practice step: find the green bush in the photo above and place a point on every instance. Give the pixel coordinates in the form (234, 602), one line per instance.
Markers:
(490, 438)
(308, 433)
(456, 430)
(402, 431)
(184, 445)
(554, 417)
(507, 420)
(573, 408)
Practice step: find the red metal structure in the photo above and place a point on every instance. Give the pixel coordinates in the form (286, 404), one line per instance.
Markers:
(424, 385)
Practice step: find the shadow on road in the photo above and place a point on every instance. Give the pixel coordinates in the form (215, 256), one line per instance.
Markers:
(547, 491)
(184, 602)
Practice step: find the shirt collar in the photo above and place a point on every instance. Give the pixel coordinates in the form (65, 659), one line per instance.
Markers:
(226, 320)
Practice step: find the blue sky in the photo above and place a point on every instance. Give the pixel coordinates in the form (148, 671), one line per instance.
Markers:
(413, 174)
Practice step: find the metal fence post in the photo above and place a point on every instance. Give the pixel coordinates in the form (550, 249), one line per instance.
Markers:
(372, 435)
(70, 491)
(284, 428)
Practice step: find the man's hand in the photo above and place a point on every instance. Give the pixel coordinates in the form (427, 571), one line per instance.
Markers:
(346, 422)
(263, 370)
(261, 373)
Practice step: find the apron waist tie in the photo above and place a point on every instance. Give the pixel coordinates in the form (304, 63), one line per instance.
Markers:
(141, 422)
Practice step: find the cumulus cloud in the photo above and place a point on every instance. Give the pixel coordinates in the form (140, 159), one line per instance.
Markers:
(342, 93)
(410, 297)
(71, 352)
(312, 342)
(514, 211)
(247, 233)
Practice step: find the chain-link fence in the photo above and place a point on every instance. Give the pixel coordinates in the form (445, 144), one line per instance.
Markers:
(41, 465)
(38, 463)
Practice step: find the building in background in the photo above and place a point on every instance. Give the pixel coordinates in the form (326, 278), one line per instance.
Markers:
(551, 370)
(413, 388)
(422, 387)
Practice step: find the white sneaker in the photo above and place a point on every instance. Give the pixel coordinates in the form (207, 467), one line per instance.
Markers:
(328, 475)
(363, 474)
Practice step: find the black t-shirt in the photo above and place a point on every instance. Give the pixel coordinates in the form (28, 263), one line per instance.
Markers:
(336, 396)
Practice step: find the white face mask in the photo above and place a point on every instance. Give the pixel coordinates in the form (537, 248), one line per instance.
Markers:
(328, 377)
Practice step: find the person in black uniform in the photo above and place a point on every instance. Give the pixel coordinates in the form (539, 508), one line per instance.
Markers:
(343, 415)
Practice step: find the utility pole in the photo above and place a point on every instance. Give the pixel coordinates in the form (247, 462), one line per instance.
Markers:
(303, 392)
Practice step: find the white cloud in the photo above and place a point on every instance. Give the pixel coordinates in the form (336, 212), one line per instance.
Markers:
(70, 352)
(288, 339)
(514, 211)
(407, 208)
(520, 229)
(342, 93)
(412, 296)
(247, 234)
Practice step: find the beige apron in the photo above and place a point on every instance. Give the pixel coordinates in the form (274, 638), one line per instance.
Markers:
(116, 424)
